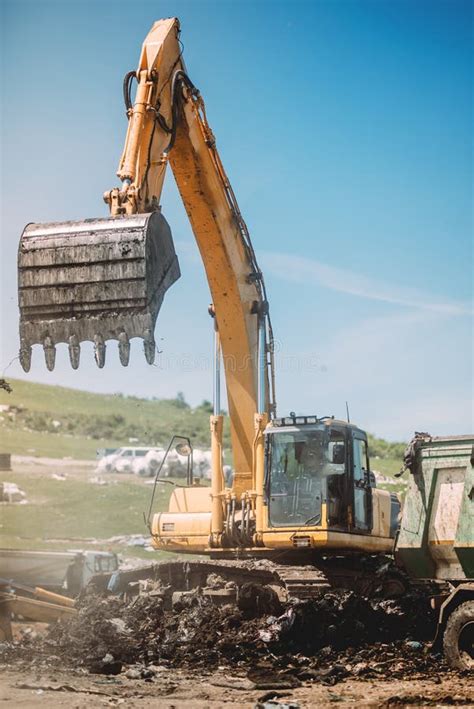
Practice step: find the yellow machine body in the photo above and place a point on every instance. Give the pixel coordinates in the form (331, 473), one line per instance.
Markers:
(190, 531)
(190, 525)
(105, 279)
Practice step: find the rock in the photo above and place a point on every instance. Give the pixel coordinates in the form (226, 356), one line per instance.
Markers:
(268, 678)
(120, 625)
(11, 493)
(359, 668)
(241, 683)
(108, 665)
(215, 581)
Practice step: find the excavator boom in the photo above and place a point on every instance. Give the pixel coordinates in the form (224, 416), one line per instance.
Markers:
(105, 279)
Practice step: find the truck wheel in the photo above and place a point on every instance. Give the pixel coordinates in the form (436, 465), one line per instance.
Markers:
(458, 638)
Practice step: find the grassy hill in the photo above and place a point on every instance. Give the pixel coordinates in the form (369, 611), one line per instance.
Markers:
(55, 421)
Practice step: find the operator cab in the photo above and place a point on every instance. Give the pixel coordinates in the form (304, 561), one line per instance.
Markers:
(318, 474)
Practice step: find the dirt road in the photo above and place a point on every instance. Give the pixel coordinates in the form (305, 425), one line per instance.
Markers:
(177, 688)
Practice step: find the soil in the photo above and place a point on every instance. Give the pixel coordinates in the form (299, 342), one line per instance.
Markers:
(337, 649)
(177, 688)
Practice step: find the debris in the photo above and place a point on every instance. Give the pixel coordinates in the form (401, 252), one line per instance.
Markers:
(360, 668)
(271, 696)
(419, 700)
(278, 626)
(324, 639)
(269, 699)
(98, 480)
(59, 476)
(39, 689)
(108, 665)
(258, 600)
(12, 494)
(267, 678)
(5, 385)
(240, 683)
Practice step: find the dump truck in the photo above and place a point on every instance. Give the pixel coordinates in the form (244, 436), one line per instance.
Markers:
(436, 537)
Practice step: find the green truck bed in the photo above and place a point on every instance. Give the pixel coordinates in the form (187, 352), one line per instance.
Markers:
(436, 539)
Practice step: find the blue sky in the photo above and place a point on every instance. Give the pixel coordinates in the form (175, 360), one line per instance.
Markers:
(346, 130)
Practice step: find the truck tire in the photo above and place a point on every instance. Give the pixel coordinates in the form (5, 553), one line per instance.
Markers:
(458, 637)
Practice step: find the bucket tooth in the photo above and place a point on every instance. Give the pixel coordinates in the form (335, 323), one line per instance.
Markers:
(95, 277)
(99, 350)
(49, 352)
(149, 346)
(25, 356)
(74, 351)
(124, 348)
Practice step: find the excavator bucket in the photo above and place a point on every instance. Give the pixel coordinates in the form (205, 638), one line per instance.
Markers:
(95, 280)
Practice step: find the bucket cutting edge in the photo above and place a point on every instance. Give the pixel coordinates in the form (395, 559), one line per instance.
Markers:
(93, 280)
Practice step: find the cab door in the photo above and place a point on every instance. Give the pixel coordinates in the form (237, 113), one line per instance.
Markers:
(362, 493)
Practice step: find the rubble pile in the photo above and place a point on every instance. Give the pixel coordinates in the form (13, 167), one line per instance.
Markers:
(326, 639)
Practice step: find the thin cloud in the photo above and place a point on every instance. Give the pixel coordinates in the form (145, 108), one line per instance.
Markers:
(402, 372)
(297, 269)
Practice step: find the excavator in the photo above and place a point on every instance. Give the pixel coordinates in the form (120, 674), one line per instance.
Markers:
(302, 496)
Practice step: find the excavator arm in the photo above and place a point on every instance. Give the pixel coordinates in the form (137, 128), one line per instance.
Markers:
(166, 124)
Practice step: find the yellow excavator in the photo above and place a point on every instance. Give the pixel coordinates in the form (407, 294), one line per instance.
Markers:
(302, 488)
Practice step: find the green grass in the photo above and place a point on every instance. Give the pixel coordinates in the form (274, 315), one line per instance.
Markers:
(60, 512)
(71, 514)
(62, 400)
(386, 466)
(89, 421)
(52, 445)
(78, 508)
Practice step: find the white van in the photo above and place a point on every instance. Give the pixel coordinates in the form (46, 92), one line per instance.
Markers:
(128, 459)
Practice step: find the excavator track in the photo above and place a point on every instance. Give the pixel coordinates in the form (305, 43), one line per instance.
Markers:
(291, 582)
(302, 582)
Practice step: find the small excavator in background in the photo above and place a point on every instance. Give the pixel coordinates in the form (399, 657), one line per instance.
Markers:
(303, 499)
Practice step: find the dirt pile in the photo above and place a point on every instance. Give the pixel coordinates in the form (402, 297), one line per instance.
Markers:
(326, 639)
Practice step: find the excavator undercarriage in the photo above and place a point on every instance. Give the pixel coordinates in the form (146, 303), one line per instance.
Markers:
(227, 581)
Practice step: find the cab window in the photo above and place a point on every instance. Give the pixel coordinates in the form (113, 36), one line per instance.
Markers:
(361, 485)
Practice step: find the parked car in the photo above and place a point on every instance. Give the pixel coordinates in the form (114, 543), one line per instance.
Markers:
(128, 459)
